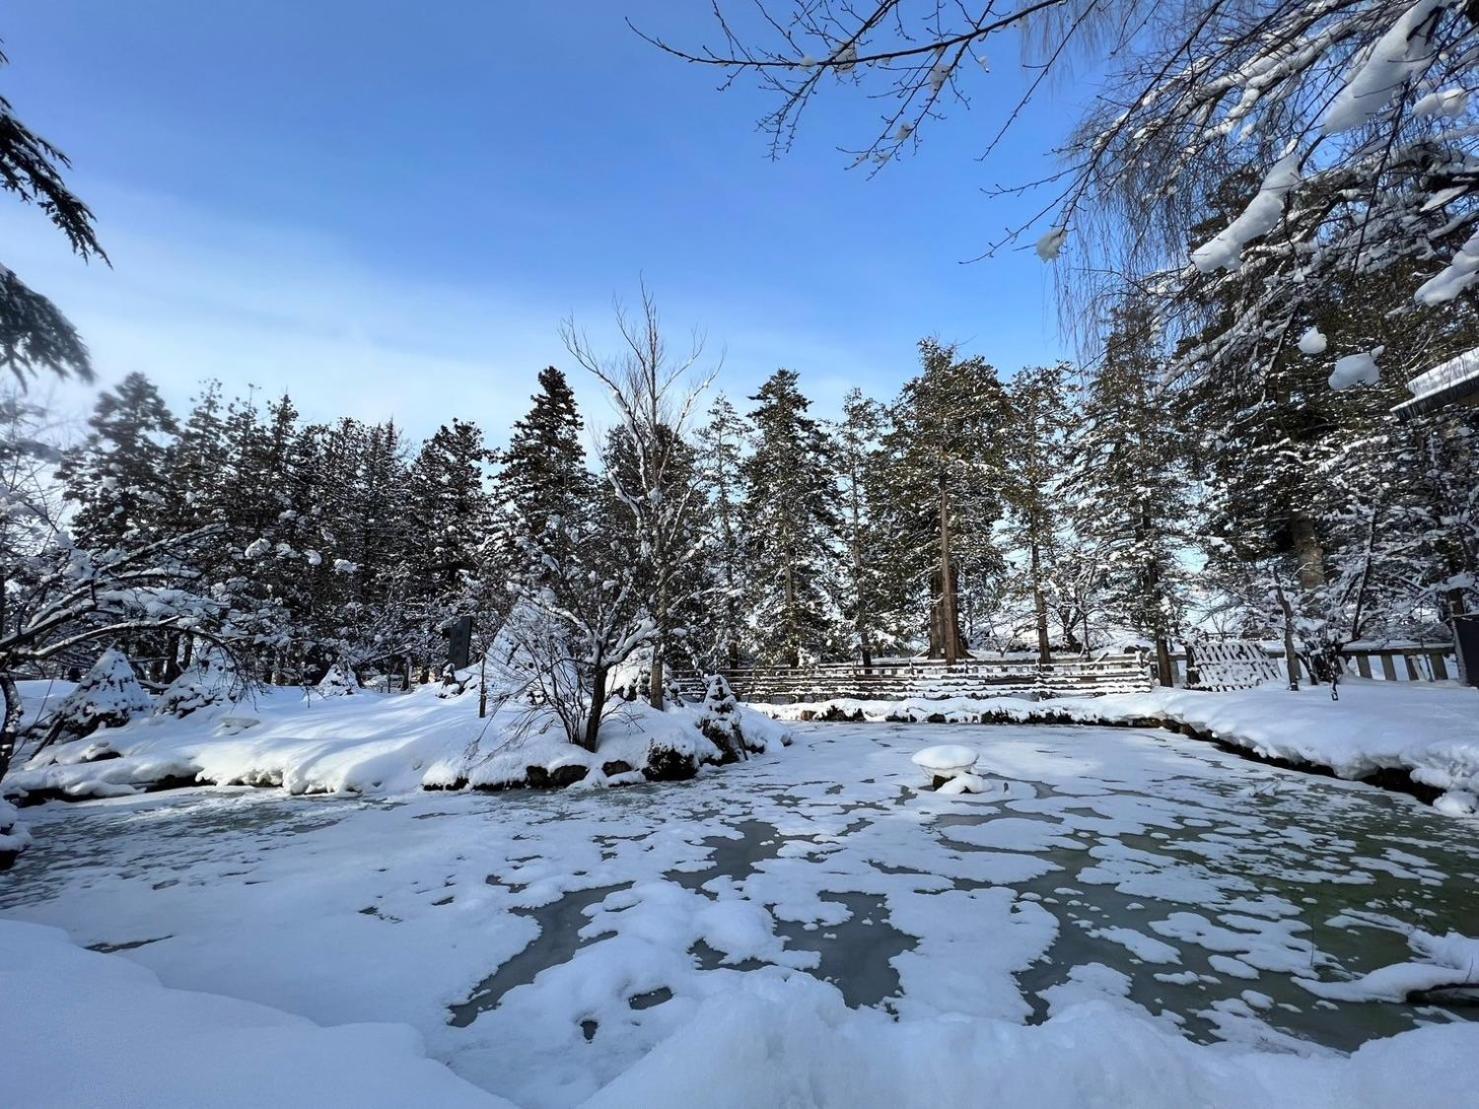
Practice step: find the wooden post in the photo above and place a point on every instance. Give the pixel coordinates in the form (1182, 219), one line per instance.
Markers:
(1363, 665)
(947, 578)
(1388, 669)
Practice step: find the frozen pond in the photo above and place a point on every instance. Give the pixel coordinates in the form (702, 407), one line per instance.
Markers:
(573, 931)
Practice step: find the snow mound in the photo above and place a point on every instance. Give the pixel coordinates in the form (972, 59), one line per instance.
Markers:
(1447, 962)
(945, 758)
(91, 1029)
(1356, 369)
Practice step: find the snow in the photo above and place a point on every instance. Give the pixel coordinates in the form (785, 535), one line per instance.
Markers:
(1447, 961)
(1312, 342)
(368, 743)
(1451, 103)
(946, 758)
(1356, 369)
(90, 1029)
(1453, 278)
(1400, 53)
(1262, 215)
(1428, 729)
(539, 920)
(1051, 244)
(1464, 367)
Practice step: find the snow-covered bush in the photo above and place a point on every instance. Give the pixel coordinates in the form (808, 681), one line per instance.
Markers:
(339, 681)
(719, 720)
(109, 695)
(210, 680)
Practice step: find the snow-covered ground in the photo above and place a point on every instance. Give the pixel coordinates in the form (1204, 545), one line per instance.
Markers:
(360, 743)
(1428, 729)
(1127, 918)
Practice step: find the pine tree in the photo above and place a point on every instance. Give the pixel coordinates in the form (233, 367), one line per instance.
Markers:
(1033, 458)
(119, 477)
(1129, 473)
(543, 478)
(945, 453)
(790, 525)
(451, 506)
(720, 445)
(862, 474)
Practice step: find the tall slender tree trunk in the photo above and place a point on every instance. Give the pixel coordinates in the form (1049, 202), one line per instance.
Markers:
(947, 581)
(1291, 657)
(1163, 660)
(1040, 605)
(793, 648)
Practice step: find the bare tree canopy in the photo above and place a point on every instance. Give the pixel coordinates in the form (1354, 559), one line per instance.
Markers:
(1337, 135)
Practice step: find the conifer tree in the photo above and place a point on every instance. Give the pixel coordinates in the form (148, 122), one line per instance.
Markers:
(945, 450)
(543, 478)
(1033, 459)
(861, 476)
(790, 525)
(720, 446)
(119, 477)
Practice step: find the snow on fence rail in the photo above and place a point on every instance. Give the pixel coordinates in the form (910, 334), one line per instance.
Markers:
(1132, 672)
(891, 680)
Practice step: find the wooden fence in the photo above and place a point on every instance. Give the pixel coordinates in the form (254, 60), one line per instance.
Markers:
(897, 679)
(1132, 672)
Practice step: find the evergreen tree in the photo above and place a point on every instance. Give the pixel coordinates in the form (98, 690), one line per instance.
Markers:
(543, 479)
(790, 525)
(1129, 473)
(119, 477)
(862, 475)
(945, 453)
(1034, 457)
(720, 445)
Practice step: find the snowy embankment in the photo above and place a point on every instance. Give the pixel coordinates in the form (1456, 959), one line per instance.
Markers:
(91, 1029)
(1427, 730)
(84, 1028)
(372, 743)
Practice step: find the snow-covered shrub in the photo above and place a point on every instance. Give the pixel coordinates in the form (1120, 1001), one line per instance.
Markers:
(719, 720)
(338, 681)
(108, 694)
(13, 837)
(210, 680)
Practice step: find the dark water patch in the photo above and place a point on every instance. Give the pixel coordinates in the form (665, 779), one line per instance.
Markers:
(559, 923)
(856, 955)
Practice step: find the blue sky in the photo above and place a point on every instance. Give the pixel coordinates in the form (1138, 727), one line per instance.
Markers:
(387, 207)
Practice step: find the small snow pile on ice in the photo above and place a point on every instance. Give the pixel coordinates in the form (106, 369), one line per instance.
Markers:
(1262, 215)
(338, 681)
(954, 764)
(1356, 369)
(1051, 244)
(1457, 802)
(1400, 53)
(1447, 962)
(108, 695)
(1312, 342)
(209, 680)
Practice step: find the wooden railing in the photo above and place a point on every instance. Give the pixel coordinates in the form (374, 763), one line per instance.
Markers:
(898, 679)
(1419, 662)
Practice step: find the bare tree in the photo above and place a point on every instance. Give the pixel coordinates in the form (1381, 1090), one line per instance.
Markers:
(655, 391)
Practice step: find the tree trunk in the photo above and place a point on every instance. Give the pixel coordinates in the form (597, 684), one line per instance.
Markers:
(1307, 552)
(950, 626)
(10, 722)
(793, 648)
(1163, 661)
(598, 706)
(1040, 605)
(655, 680)
(1291, 658)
